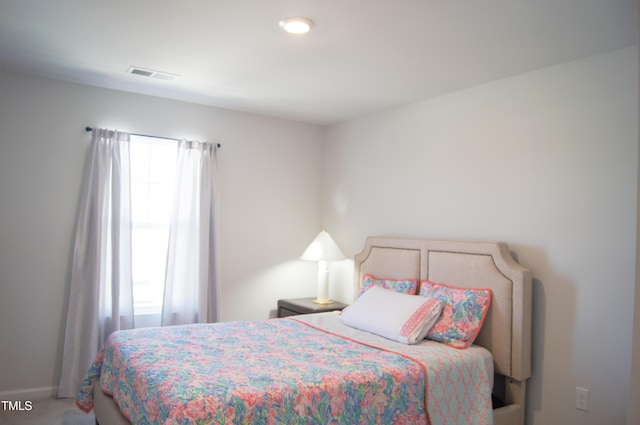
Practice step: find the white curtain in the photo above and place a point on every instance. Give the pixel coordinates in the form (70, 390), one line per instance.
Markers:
(100, 297)
(192, 284)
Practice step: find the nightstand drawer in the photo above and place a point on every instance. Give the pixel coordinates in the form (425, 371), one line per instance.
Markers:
(284, 312)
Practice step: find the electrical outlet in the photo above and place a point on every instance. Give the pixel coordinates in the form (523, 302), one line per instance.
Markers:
(582, 399)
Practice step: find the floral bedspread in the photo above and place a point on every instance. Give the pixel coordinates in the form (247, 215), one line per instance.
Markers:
(279, 371)
(459, 381)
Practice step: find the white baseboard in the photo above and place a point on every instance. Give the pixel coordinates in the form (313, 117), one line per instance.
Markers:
(29, 394)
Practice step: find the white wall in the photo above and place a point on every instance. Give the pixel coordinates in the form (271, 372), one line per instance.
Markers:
(270, 176)
(546, 161)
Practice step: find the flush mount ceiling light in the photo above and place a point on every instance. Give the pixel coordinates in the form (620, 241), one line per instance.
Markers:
(297, 25)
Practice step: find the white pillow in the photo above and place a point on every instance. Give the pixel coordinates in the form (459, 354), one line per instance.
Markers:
(400, 317)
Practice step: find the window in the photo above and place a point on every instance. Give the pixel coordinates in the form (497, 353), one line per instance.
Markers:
(152, 179)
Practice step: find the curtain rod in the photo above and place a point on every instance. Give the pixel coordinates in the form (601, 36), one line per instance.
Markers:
(88, 129)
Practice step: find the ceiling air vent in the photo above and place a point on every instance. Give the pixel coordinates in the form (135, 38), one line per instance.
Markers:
(151, 74)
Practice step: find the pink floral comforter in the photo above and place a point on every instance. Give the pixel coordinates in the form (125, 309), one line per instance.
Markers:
(284, 371)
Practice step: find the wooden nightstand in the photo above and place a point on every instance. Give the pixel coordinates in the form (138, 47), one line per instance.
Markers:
(295, 306)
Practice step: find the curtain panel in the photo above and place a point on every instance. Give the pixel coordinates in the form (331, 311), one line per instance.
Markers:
(100, 294)
(192, 285)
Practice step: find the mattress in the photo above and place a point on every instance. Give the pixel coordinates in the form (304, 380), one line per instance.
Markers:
(299, 369)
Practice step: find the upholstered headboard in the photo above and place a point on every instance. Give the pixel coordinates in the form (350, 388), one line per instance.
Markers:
(507, 328)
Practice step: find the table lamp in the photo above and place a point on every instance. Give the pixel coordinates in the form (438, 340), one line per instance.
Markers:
(323, 249)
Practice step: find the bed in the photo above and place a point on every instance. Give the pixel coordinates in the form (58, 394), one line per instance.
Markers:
(335, 372)
(506, 331)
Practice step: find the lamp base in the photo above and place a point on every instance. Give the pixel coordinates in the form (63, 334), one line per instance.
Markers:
(322, 302)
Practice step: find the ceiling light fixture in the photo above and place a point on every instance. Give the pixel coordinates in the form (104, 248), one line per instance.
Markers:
(297, 25)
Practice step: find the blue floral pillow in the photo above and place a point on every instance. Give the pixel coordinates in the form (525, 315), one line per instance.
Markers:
(462, 316)
(404, 286)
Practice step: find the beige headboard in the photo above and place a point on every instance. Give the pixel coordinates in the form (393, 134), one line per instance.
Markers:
(507, 328)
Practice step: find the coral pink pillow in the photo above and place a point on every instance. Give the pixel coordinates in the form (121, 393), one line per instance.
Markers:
(462, 316)
(404, 286)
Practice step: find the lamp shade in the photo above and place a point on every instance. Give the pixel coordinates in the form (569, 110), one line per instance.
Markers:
(323, 248)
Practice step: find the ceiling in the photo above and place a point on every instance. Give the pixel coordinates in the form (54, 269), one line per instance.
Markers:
(362, 55)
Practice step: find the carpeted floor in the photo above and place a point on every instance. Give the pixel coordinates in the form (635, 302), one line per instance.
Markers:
(48, 412)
